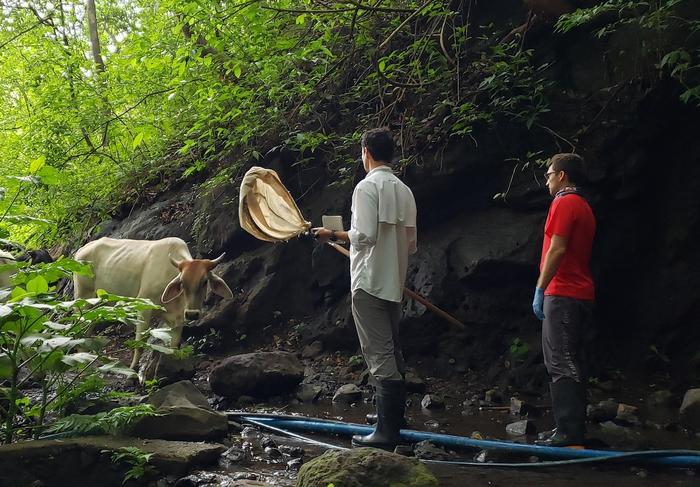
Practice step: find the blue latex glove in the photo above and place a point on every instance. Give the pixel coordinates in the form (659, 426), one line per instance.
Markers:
(538, 303)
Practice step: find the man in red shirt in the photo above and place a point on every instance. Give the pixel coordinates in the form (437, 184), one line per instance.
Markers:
(564, 296)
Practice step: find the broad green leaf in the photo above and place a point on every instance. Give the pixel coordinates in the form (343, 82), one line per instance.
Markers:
(162, 334)
(237, 70)
(49, 175)
(137, 140)
(78, 358)
(37, 164)
(38, 285)
(382, 65)
(117, 368)
(5, 366)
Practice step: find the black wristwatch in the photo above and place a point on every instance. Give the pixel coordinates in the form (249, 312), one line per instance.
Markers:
(333, 238)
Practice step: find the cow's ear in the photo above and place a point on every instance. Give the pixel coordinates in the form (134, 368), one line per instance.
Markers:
(218, 286)
(172, 290)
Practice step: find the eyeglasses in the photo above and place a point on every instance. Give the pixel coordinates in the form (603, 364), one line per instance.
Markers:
(547, 174)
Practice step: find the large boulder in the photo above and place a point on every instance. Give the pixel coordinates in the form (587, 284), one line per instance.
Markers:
(88, 460)
(362, 467)
(183, 414)
(259, 374)
(690, 410)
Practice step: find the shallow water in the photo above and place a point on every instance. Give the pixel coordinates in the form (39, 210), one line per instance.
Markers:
(490, 424)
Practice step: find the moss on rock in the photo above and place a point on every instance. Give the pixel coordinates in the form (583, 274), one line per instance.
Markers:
(362, 467)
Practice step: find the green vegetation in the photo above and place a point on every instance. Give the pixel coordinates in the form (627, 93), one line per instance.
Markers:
(48, 342)
(97, 117)
(137, 461)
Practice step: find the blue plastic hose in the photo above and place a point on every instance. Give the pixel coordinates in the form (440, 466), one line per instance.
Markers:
(666, 458)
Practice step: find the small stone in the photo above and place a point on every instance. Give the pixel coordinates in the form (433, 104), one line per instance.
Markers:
(493, 396)
(476, 435)
(603, 411)
(347, 393)
(431, 401)
(404, 450)
(521, 428)
(433, 424)
(452, 361)
(273, 453)
(519, 407)
(268, 442)
(314, 349)
(690, 410)
(425, 450)
(627, 415)
(292, 451)
(308, 393)
(414, 383)
(294, 464)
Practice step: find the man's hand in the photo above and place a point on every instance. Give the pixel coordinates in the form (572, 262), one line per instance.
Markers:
(321, 234)
(538, 303)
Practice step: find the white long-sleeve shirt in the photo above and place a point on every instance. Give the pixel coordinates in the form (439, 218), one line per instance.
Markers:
(382, 234)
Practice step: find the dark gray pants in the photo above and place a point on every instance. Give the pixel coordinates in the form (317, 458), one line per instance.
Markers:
(563, 328)
(377, 323)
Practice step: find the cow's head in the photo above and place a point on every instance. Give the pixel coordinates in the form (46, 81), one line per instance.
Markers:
(192, 282)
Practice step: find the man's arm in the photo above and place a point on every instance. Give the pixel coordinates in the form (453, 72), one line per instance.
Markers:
(552, 259)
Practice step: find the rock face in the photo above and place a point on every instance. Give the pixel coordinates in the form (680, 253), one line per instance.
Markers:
(363, 467)
(184, 414)
(690, 410)
(260, 374)
(87, 461)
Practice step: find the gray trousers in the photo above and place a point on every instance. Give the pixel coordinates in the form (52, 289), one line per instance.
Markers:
(563, 328)
(377, 323)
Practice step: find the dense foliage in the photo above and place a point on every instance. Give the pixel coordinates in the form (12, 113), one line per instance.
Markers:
(95, 116)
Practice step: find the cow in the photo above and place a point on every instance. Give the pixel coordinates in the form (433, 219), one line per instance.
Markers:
(160, 270)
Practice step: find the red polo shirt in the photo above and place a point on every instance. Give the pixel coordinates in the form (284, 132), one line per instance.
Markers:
(571, 217)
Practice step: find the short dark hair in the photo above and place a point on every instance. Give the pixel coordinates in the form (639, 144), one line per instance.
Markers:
(572, 164)
(379, 143)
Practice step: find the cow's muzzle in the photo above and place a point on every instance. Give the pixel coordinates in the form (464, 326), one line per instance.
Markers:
(192, 314)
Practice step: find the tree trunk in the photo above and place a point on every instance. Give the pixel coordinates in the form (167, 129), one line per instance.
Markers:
(94, 37)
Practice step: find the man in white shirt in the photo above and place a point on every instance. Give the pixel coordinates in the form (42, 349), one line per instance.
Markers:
(382, 235)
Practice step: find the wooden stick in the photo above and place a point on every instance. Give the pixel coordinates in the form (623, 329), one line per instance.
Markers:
(412, 294)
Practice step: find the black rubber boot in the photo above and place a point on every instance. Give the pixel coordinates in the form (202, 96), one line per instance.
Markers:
(372, 419)
(391, 405)
(569, 408)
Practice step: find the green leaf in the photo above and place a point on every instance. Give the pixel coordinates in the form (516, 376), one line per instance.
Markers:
(37, 164)
(162, 334)
(300, 19)
(118, 369)
(49, 175)
(382, 66)
(237, 70)
(38, 285)
(5, 310)
(137, 140)
(5, 366)
(78, 358)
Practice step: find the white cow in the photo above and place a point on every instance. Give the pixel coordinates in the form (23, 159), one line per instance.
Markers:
(160, 270)
(5, 258)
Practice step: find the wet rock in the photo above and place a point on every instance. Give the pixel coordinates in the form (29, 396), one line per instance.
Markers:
(493, 396)
(294, 464)
(414, 383)
(431, 401)
(606, 386)
(64, 462)
(493, 456)
(348, 394)
(235, 455)
(213, 479)
(690, 410)
(273, 453)
(308, 393)
(404, 450)
(603, 411)
(520, 428)
(172, 369)
(183, 414)
(259, 374)
(519, 407)
(363, 467)
(627, 415)
(425, 450)
(292, 451)
(245, 401)
(432, 424)
(250, 432)
(621, 437)
(268, 442)
(314, 349)
(661, 410)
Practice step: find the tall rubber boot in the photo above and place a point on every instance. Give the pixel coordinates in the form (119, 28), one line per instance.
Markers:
(391, 405)
(569, 408)
(372, 419)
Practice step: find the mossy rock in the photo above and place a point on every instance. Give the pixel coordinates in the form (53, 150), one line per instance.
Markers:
(363, 467)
